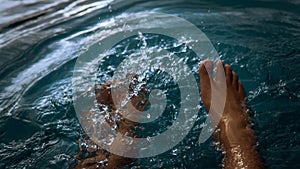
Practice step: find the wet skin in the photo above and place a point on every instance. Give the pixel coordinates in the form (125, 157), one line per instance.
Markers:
(234, 133)
(90, 158)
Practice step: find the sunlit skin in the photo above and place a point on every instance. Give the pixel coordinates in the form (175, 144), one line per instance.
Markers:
(234, 133)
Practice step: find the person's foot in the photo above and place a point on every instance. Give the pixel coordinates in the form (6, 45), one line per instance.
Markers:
(236, 135)
(233, 119)
(92, 156)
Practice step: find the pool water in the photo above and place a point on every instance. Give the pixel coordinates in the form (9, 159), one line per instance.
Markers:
(41, 40)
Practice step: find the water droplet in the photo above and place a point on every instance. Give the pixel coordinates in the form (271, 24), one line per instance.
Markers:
(174, 152)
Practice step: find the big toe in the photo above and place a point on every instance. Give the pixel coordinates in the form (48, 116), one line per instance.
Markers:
(205, 72)
(206, 68)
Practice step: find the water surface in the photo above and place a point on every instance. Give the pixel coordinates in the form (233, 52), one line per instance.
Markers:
(40, 41)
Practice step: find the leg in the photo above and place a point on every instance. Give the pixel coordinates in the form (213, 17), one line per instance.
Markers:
(236, 135)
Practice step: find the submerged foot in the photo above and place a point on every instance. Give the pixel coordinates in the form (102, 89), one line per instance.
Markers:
(96, 157)
(236, 135)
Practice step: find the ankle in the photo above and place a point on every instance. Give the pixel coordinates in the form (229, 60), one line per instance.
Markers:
(235, 132)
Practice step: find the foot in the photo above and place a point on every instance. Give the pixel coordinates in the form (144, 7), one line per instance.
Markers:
(95, 156)
(235, 135)
(233, 118)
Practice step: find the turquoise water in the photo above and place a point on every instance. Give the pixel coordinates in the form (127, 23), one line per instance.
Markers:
(40, 41)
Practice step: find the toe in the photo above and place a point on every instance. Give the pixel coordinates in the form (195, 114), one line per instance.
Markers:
(242, 91)
(205, 71)
(228, 72)
(220, 74)
(206, 68)
(103, 96)
(235, 81)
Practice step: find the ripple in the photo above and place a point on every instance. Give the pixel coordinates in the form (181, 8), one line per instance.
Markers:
(40, 41)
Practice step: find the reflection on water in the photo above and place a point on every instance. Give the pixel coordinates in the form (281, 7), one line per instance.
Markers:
(40, 41)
